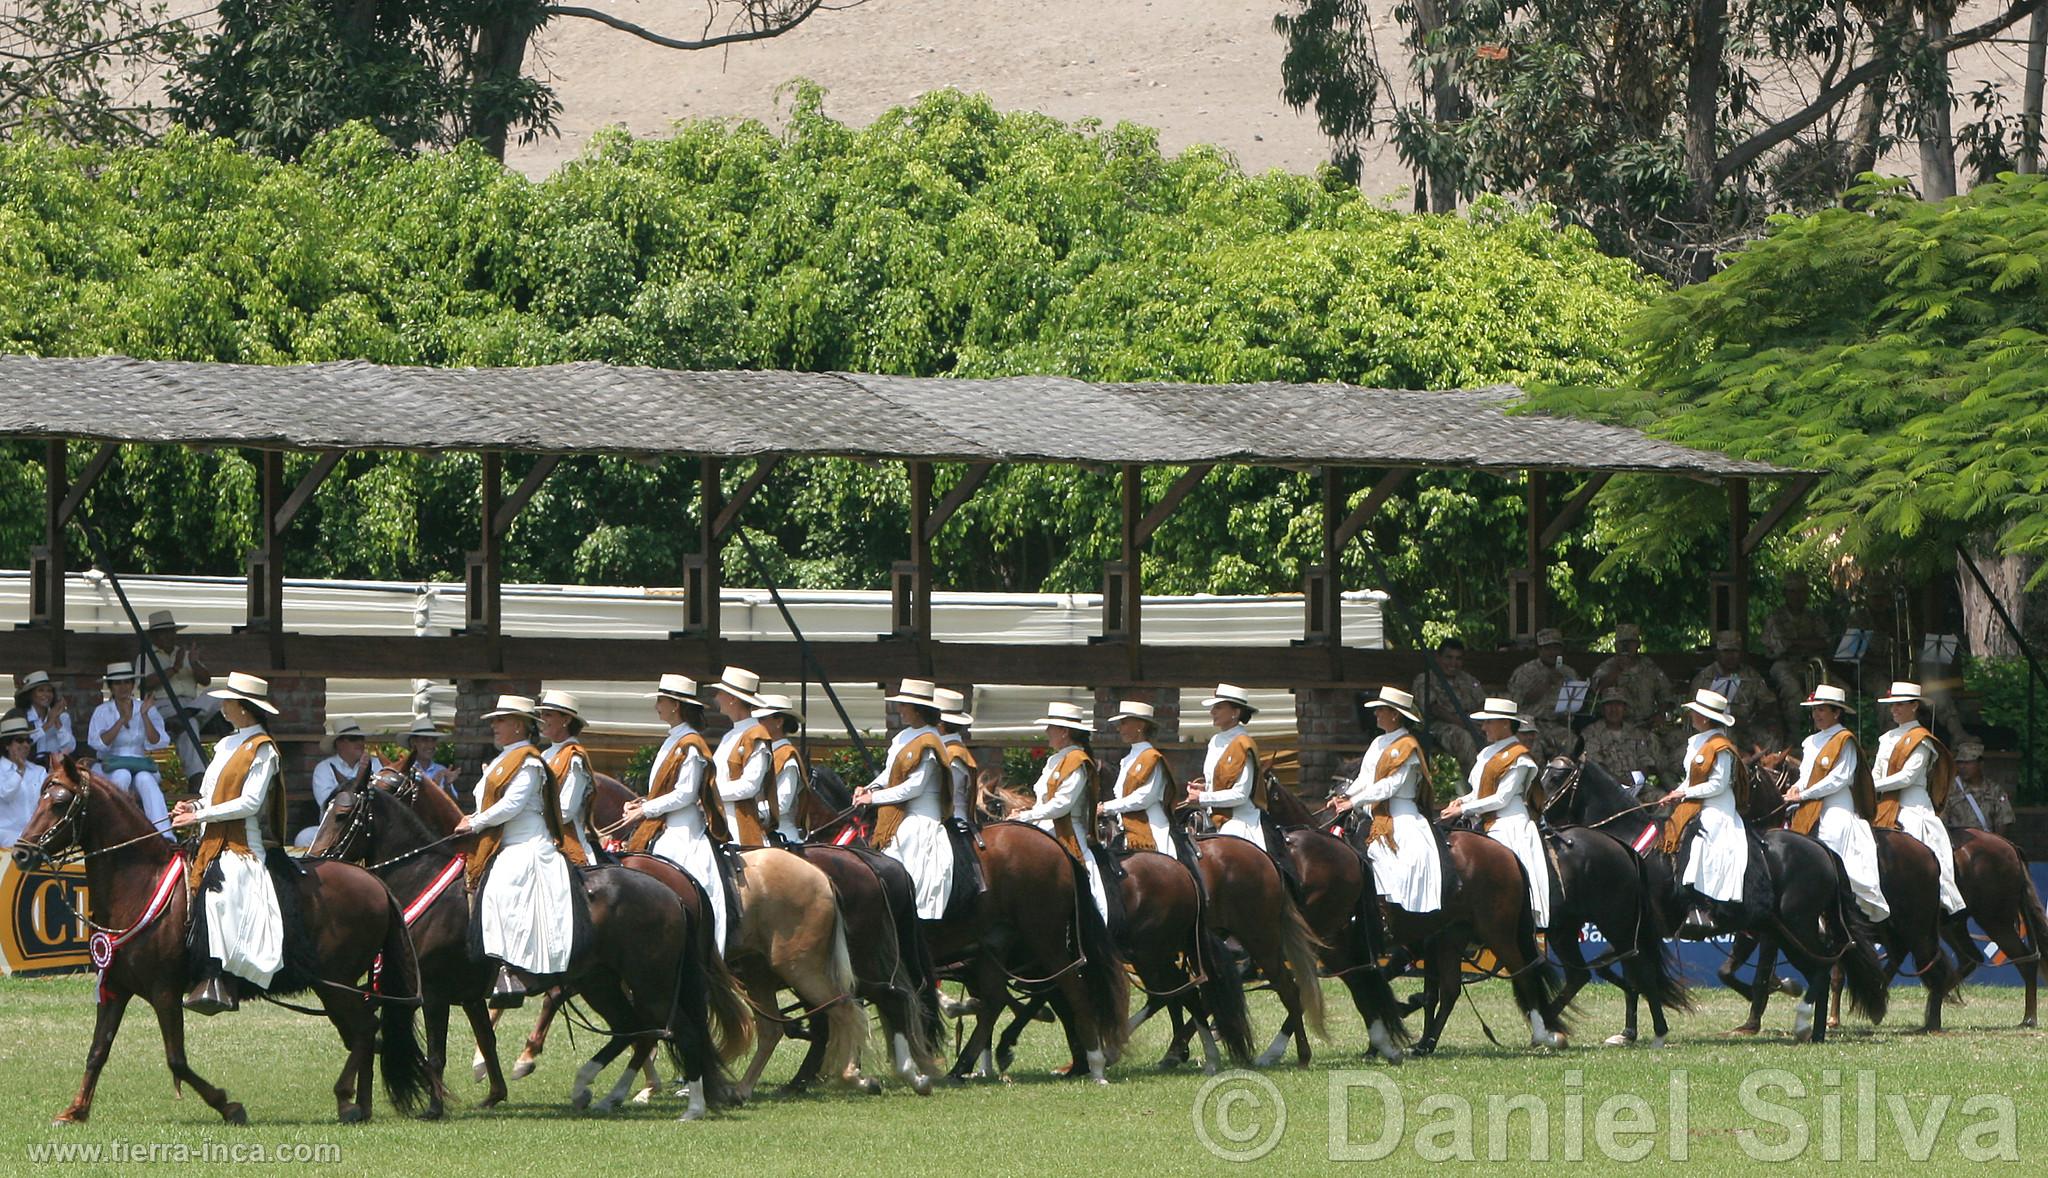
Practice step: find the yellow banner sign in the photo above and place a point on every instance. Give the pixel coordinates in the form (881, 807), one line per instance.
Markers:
(39, 933)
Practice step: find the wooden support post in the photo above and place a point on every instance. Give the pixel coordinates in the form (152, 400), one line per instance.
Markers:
(919, 585)
(483, 609)
(510, 507)
(1527, 615)
(1321, 588)
(265, 563)
(1369, 507)
(729, 514)
(1180, 490)
(1573, 508)
(1738, 557)
(1791, 497)
(1123, 580)
(47, 560)
(970, 481)
(310, 482)
(702, 581)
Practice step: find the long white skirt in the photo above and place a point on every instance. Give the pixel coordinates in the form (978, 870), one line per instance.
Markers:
(1095, 887)
(926, 853)
(1848, 835)
(1518, 833)
(1245, 824)
(1719, 856)
(1924, 824)
(243, 927)
(1409, 874)
(692, 851)
(528, 921)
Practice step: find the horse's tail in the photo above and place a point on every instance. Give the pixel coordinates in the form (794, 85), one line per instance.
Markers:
(1862, 973)
(705, 997)
(407, 1079)
(2034, 920)
(1298, 945)
(1109, 992)
(1222, 992)
(1657, 977)
(918, 970)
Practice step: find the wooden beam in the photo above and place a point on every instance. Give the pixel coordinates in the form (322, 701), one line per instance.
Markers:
(729, 514)
(94, 468)
(1162, 510)
(921, 551)
(513, 504)
(1792, 496)
(710, 580)
(46, 595)
(970, 482)
(1538, 490)
(1572, 509)
(1133, 546)
(1360, 516)
(1738, 554)
(308, 483)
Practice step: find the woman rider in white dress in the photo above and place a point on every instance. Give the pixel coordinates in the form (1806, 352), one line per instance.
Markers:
(909, 797)
(676, 796)
(244, 927)
(1500, 780)
(1405, 865)
(789, 773)
(1138, 800)
(1829, 809)
(561, 722)
(526, 910)
(1910, 767)
(1714, 790)
(125, 731)
(1065, 792)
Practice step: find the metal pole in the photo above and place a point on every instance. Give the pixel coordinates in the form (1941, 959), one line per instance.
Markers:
(867, 759)
(156, 666)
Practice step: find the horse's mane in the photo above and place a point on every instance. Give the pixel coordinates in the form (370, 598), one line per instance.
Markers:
(1612, 792)
(830, 787)
(1287, 806)
(408, 830)
(434, 808)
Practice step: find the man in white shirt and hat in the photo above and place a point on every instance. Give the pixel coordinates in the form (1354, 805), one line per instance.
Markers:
(348, 744)
(423, 740)
(1835, 799)
(1502, 780)
(1912, 774)
(743, 760)
(909, 796)
(1390, 794)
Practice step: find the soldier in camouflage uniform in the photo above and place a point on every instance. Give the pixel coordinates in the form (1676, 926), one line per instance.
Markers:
(1793, 636)
(1616, 742)
(1534, 687)
(1750, 698)
(1641, 682)
(1975, 802)
(1446, 715)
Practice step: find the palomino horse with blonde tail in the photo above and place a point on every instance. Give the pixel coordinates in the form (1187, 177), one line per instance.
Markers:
(138, 909)
(790, 935)
(647, 971)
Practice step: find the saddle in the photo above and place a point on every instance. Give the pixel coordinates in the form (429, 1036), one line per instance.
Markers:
(301, 968)
(966, 844)
(1112, 892)
(732, 874)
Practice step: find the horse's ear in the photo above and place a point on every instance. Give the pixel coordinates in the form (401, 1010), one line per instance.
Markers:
(65, 769)
(363, 773)
(405, 763)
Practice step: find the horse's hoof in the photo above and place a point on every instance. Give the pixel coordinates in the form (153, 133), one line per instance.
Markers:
(353, 1115)
(957, 1008)
(1619, 1039)
(522, 1069)
(1833, 1022)
(1791, 988)
(1749, 1029)
(605, 1107)
(691, 1114)
(644, 1097)
(2027, 1024)
(479, 1072)
(69, 1117)
(1170, 1062)
(233, 1114)
(434, 1113)
(1559, 1040)
(1657, 1044)
(922, 1085)
(1422, 1049)
(869, 1085)
(491, 1101)
(580, 1101)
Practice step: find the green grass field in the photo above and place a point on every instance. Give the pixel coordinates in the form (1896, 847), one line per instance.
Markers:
(281, 1066)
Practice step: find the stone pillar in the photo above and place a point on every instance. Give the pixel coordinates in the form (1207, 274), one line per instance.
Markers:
(1327, 719)
(300, 721)
(472, 735)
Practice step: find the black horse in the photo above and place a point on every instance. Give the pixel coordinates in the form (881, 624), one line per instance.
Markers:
(1813, 920)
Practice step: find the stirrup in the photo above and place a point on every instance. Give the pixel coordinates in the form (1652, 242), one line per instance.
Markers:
(1698, 926)
(507, 990)
(212, 996)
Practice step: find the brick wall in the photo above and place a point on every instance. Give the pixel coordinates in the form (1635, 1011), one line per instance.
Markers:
(1327, 719)
(472, 736)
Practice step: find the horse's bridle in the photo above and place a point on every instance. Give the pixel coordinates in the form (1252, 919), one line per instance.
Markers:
(74, 813)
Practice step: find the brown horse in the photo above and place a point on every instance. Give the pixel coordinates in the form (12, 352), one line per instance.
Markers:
(791, 934)
(1034, 928)
(648, 972)
(352, 921)
(2000, 895)
(1490, 909)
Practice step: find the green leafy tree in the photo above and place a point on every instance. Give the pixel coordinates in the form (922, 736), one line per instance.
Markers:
(73, 69)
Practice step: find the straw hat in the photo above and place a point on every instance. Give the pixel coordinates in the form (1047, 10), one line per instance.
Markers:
(953, 707)
(1060, 714)
(1827, 695)
(553, 700)
(162, 620)
(1713, 705)
(677, 687)
(1228, 694)
(1902, 693)
(1132, 709)
(921, 692)
(338, 728)
(26, 685)
(1397, 699)
(512, 705)
(247, 688)
(741, 684)
(120, 672)
(778, 705)
(422, 726)
(1496, 708)
(14, 726)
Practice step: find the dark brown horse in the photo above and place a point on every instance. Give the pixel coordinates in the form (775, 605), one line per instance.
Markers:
(1035, 929)
(645, 972)
(350, 918)
(2000, 895)
(1490, 909)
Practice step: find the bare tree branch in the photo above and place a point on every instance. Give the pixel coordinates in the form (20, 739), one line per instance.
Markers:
(767, 20)
(1745, 153)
